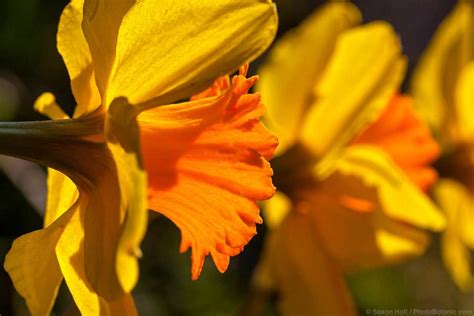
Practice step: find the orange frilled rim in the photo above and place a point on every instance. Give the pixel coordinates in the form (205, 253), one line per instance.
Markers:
(408, 141)
(207, 163)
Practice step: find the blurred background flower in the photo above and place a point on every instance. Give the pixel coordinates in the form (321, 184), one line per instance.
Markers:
(442, 86)
(30, 65)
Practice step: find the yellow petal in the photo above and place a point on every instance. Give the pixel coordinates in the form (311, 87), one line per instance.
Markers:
(76, 55)
(70, 253)
(457, 260)
(100, 27)
(109, 175)
(134, 187)
(364, 73)
(433, 82)
(276, 209)
(398, 242)
(360, 237)
(399, 198)
(309, 281)
(33, 266)
(115, 217)
(295, 65)
(62, 194)
(172, 49)
(458, 204)
(110, 258)
(465, 103)
(46, 105)
(70, 256)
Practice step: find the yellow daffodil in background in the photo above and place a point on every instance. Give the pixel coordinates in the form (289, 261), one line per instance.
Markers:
(352, 165)
(442, 86)
(127, 60)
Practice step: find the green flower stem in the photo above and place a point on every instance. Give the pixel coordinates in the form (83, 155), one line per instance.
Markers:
(64, 145)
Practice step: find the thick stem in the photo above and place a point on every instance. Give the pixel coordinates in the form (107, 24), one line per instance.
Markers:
(63, 145)
(80, 127)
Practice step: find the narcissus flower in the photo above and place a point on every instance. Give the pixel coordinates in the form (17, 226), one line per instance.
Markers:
(442, 86)
(353, 163)
(127, 61)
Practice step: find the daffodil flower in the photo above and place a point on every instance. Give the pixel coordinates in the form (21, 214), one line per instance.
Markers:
(353, 164)
(442, 87)
(127, 60)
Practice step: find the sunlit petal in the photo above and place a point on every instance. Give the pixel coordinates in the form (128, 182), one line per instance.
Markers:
(62, 193)
(346, 101)
(433, 82)
(295, 65)
(359, 238)
(46, 105)
(76, 55)
(70, 252)
(399, 197)
(115, 217)
(465, 103)
(458, 204)
(165, 68)
(33, 266)
(276, 209)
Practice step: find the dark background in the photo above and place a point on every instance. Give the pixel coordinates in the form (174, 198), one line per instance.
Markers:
(30, 65)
